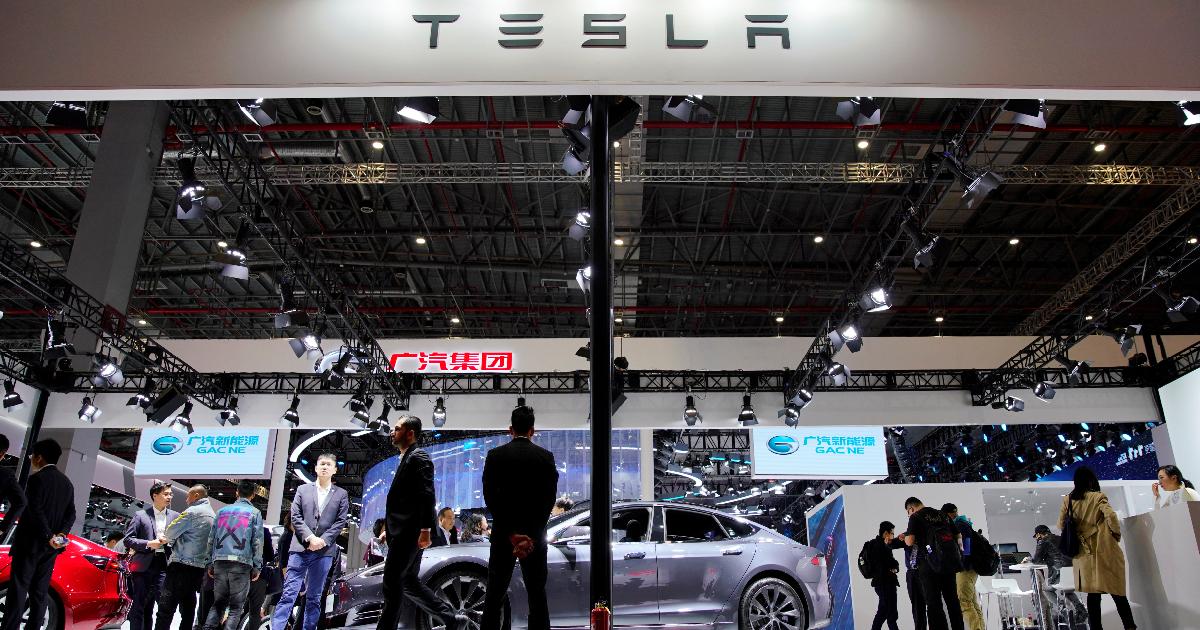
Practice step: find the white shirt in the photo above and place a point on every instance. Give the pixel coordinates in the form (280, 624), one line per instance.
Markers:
(446, 533)
(1171, 497)
(323, 497)
(160, 526)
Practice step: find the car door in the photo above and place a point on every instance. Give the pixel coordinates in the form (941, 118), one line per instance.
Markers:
(635, 572)
(699, 565)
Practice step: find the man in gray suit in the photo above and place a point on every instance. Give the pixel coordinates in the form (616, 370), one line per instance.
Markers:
(320, 511)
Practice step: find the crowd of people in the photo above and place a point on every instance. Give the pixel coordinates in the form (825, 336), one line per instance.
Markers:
(943, 552)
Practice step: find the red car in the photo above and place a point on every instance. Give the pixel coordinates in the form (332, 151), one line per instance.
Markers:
(87, 590)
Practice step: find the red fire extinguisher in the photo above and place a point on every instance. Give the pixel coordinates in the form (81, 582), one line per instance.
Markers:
(601, 617)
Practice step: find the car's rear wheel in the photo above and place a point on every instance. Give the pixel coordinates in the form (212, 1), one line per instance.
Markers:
(772, 604)
(464, 589)
(52, 621)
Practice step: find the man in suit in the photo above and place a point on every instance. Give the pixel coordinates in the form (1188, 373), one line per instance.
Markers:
(445, 533)
(519, 485)
(39, 537)
(410, 520)
(320, 511)
(10, 491)
(146, 536)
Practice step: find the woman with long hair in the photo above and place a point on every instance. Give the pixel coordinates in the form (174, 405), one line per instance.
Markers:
(1100, 565)
(1172, 488)
(476, 529)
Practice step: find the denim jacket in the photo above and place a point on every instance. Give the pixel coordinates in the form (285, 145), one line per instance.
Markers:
(237, 534)
(190, 535)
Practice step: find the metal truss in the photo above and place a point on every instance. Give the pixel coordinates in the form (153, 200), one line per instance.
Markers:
(15, 368)
(1136, 239)
(240, 172)
(630, 171)
(640, 381)
(34, 277)
(1185, 360)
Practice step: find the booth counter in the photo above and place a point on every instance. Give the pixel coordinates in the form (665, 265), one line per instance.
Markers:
(1162, 555)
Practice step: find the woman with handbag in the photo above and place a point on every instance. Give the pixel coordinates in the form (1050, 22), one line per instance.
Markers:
(1099, 562)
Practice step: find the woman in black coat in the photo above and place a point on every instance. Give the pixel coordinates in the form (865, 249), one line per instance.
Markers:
(885, 568)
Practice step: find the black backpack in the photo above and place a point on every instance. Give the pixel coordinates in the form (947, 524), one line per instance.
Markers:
(864, 561)
(984, 559)
(942, 552)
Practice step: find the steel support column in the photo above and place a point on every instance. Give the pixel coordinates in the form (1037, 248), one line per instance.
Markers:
(602, 354)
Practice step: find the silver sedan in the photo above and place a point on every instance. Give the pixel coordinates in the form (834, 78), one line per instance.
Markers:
(673, 564)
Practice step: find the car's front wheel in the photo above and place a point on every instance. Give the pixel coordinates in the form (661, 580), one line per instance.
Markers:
(52, 620)
(464, 589)
(772, 604)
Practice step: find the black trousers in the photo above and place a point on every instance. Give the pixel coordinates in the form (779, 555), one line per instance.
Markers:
(206, 602)
(533, 571)
(144, 589)
(400, 583)
(913, 578)
(180, 588)
(887, 611)
(254, 603)
(29, 583)
(940, 589)
(1093, 607)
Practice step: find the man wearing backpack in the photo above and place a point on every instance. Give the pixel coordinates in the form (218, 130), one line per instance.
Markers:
(939, 558)
(965, 580)
(877, 563)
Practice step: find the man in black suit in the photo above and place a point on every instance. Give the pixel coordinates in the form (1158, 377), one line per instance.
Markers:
(519, 485)
(445, 533)
(40, 536)
(410, 503)
(10, 491)
(146, 537)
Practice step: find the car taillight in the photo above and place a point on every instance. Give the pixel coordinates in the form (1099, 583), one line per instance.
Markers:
(344, 594)
(104, 563)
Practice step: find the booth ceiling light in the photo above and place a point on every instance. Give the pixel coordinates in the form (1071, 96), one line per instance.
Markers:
(336, 377)
(291, 417)
(233, 258)
(1075, 369)
(581, 226)
(583, 278)
(837, 372)
(747, 416)
(1125, 336)
(192, 202)
(691, 108)
(56, 345)
(229, 415)
(182, 423)
(12, 400)
(861, 110)
(791, 412)
(306, 345)
(70, 114)
(925, 244)
(1044, 390)
(360, 405)
(977, 183)
(578, 110)
(88, 411)
(439, 413)
(144, 398)
(875, 300)
(289, 315)
(691, 415)
(422, 109)
(1028, 112)
(1010, 403)
(107, 372)
(381, 425)
(1190, 111)
(1180, 310)
(848, 336)
(259, 111)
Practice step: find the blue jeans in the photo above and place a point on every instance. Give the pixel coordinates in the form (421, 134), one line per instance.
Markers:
(307, 568)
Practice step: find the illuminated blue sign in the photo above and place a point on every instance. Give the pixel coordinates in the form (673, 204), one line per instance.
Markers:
(204, 454)
(783, 445)
(818, 453)
(167, 445)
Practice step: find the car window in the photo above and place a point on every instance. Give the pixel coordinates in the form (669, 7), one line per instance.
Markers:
(688, 526)
(735, 528)
(628, 525)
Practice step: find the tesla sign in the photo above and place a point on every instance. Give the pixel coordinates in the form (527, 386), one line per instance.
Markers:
(818, 453)
(203, 454)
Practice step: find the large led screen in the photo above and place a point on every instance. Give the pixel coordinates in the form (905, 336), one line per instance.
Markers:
(818, 453)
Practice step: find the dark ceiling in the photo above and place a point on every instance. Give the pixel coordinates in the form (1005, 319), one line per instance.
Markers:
(700, 258)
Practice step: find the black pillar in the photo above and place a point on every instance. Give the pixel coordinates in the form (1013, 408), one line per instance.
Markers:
(32, 436)
(602, 353)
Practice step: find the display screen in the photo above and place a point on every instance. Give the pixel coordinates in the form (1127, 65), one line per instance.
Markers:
(818, 453)
(216, 454)
(1135, 458)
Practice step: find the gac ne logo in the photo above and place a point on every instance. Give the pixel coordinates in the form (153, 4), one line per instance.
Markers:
(167, 445)
(783, 445)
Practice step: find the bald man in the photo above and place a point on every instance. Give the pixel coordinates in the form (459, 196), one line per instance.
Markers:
(190, 539)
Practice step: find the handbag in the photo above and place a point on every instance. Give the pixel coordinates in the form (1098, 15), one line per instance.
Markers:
(1068, 543)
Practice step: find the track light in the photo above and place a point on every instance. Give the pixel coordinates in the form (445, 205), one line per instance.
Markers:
(848, 336)
(107, 372)
(838, 373)
(875, 300)
(439, 413)
(259, 111)
(692, 108)
(925, 244)
(291, 417)
(861, 110)
(576, 126)
(306, 345)
(56, 345)
(182, 423)
(790, 415)
(1179, 309)
(1190, 111)
(229, 415)
(581, 226)
(691, 415)
(70, 114)
(583, 278)
(977, 183)
(1125, 336)
(360, 405)
(1044, 390)
(336, 377)
(422, 109)
(290, 315)
(381, 425)
(233, 259)
(191, 198)
(1028, 112)
(1010, 403)
(747, 416)
(578, 109)
(88, 411)
(12, 400)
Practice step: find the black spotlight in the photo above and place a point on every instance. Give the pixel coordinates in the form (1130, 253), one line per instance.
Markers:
(291, 417)
(691, 415)
(692, 108)
(1010, 403)
(925, 244)
(439, 413)
(846, 336)
(360, 405)
(259, 111)
(1125, 336)
(88, 411)
(229, 415)
(1044, 390)
(290, 314)
(307, 344)
(581, 225)
(422, 109)
(191, 198)
(69, 114)
(233, 258)
(861, 110)
(143, 398)
(381, 425)
(165, 404)
(578, 108)
(837, 372)
(977, 183)
(1028, 112)
(747, 416)
(336, 377)
(183, 422)
(56, 345)
(12, 400)
(1190, 111)
(1180, 309)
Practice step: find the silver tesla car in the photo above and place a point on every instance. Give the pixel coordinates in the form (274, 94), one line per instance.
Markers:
(674, 564)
